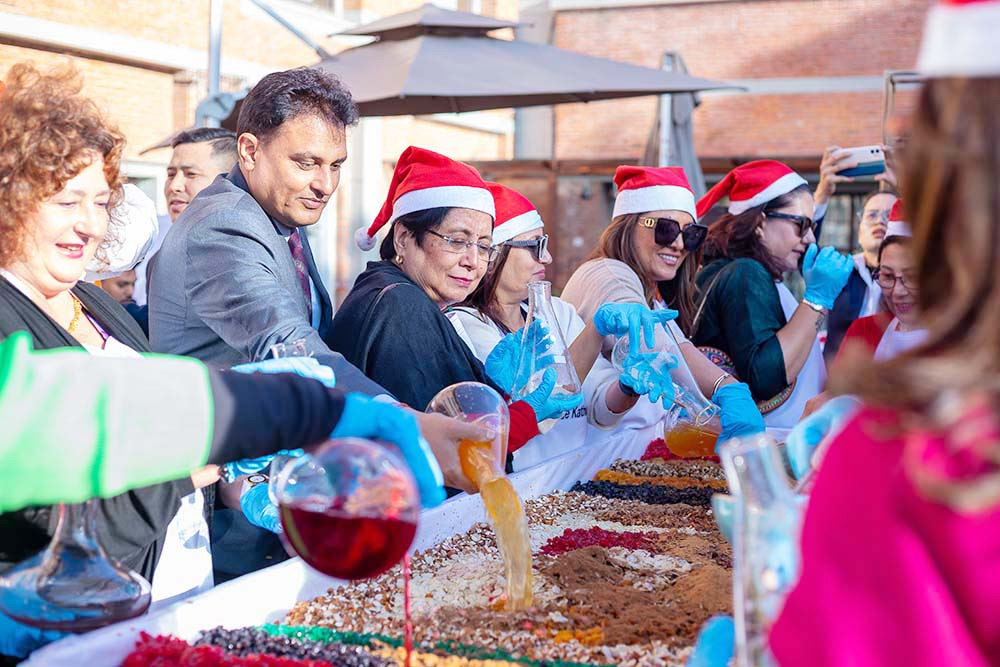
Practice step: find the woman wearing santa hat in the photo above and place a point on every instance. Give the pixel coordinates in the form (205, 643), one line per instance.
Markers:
(745, 312)
(498, 306)
(886, 335)
(439, 216)
(647, 257)
(901, 541)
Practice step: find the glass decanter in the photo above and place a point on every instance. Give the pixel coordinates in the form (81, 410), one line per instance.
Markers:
(767, 518)
(73, 585)
(535, 359)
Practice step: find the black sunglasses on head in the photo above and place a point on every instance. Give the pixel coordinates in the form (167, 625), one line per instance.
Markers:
(537, 246)
(665, 231)
(804, 224)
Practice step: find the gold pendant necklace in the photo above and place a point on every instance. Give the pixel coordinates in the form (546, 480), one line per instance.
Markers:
(77, 310)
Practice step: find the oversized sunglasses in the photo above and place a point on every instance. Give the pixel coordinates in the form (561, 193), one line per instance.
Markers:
(665, 231)
(537, 246)
(804, 224)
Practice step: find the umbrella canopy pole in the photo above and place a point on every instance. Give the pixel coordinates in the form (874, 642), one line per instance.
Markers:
(214, 58)
(666, 117)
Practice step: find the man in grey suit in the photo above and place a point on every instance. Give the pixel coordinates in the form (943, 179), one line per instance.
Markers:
(235, 274)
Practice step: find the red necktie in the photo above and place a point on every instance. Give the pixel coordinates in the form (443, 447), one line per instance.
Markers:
(301, 268)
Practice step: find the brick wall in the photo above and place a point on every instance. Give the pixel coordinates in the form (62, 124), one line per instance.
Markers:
(740, 40)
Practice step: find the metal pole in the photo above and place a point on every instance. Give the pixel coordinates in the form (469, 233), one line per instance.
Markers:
(320, 51)
(214, 57)
(666, 117)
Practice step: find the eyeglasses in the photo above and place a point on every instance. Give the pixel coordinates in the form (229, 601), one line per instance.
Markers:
(887, 281)
(537, 246)
(483, 252)
(665, 231)
(874, 216)
(804, 224)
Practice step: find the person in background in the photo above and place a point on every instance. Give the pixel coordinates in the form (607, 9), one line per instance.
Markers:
(647, 258)
(121, 288)
(747, 313)
(498, 306)
(861, 296)
(440, 215)
(886, 335)
(199, 156)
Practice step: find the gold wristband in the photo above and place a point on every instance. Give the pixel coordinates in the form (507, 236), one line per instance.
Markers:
(719, 380)
(815, 306)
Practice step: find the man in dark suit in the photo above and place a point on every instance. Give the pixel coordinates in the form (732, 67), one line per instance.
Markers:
(235, 274)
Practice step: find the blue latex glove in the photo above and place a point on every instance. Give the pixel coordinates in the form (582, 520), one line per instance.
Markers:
(19, 640)
(634, 319)
(304, 366)
(825, 272)
(234, 469)
(723, 507)
(643, 377)
(547, 406)
(365, 417)
(503, 363)
(259, 510)
(716, 640)
(807, 435)
(739, 415)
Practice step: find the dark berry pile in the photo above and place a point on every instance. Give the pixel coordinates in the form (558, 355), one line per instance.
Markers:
(648, 493)
(578, 538)
(243, 642)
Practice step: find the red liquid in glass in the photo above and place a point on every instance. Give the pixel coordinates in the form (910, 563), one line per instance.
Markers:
(346, 547)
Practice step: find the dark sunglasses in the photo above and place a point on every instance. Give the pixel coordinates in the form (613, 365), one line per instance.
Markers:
(537, 246)
(804, 224)
(665, 231)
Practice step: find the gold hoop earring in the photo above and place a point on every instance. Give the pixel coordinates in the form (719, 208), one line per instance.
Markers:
(399, 260)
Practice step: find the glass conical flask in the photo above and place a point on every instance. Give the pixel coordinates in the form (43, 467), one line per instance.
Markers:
(696, 428)
(73, 585)
(766, 522)
(535, 360)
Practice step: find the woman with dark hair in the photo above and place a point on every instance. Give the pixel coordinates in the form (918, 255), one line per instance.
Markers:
(745, 313)
(498, 306)
(648, 255)
(439, 214)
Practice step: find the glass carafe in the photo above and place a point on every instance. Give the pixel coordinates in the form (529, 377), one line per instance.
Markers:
(535, 359)
(766, 522)
(696, 428)
(73, 585)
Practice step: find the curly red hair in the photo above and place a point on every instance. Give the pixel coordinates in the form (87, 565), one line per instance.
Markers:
(49, 133)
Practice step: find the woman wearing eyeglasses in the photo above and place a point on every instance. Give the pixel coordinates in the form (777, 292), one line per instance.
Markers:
(889, 334)
(649, 255)
(498, 306)
(439, 215)
(745, 312)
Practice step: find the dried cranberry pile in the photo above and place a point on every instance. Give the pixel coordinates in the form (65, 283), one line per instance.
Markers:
(658, 449)
(578, 538)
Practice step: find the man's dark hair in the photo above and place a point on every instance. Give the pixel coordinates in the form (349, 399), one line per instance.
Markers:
(281, 96)
(223, 141)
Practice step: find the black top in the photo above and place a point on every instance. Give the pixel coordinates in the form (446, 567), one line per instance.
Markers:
(390, 329)
(845, 310)
(131, 526)
(741, 316)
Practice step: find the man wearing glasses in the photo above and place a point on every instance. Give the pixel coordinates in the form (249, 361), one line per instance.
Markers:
(861, 296)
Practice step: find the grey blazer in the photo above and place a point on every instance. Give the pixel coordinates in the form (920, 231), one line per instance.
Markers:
(223, 288)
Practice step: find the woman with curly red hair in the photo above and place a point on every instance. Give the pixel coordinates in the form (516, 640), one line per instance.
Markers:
(59, 181)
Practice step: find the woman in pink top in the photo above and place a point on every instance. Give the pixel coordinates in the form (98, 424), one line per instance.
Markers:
(901, 541)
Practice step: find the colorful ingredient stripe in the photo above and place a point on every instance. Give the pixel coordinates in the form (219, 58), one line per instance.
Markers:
(674, 482)
(658, 449)
(648, 493)
(578, 538)
(450, 648)
(166, 651)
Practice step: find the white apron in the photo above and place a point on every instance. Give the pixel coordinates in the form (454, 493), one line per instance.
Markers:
(895, 343)
(809, 382)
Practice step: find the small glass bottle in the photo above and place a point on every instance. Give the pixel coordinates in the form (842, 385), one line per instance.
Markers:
(766, 522)
(73, 585)
(535, 361)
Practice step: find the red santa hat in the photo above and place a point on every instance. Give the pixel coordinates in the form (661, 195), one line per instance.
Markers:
(897, 225)
(644, 189)
(515, 214)
(961, 38)
(424, 179)
(751, 184)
